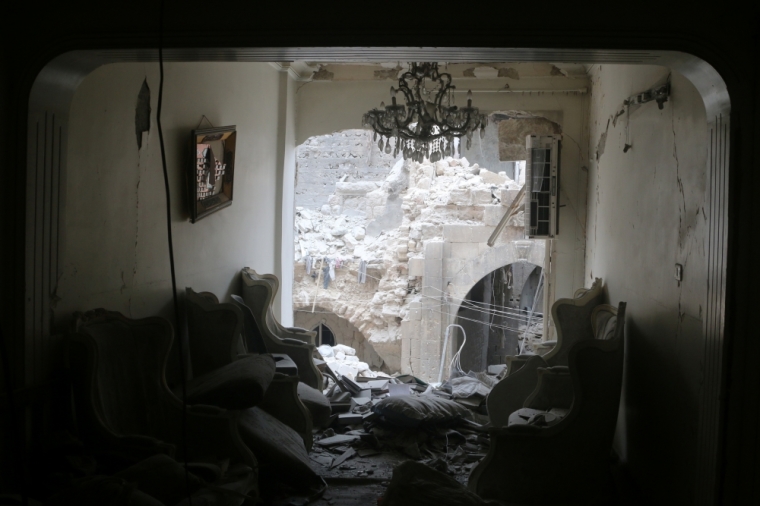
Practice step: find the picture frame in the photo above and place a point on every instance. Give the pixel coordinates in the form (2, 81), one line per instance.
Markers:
(211, 173)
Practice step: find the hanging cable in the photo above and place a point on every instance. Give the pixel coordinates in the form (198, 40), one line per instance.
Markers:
(180, 347)
(455, 363)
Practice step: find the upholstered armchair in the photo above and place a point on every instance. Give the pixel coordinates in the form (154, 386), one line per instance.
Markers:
(258, 295)
(219, 354)
(123, 404)
(572, 318)
(541, 459)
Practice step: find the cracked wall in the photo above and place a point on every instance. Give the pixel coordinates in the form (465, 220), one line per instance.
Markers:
(114, 251)
(647, 180)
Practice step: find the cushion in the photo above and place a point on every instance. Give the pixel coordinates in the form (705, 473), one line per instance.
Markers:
(238, 385)
(413, 411)
(280, 451)
(316, 402)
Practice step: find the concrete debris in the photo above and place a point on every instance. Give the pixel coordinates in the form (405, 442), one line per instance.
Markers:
(379, 431)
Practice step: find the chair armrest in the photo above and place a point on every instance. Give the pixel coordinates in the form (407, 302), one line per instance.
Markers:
(282, 402)
(301, 354)
(299, 330)
(553, 390)
(509, 394)
(295, 342)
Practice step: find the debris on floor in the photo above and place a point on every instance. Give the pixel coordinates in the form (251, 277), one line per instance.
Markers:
(414, 484)
(378, 423)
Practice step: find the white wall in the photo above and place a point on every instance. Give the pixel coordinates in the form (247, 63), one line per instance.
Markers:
(645, 215)
(325, 107)
(115, 251)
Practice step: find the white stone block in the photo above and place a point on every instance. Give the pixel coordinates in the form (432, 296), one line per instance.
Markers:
(507, 196)
(355, 187)
(457, 233)
(481, 234)
(460, 197)
(465, 251)
(416, 266)
(430, 231)
(480, 197)
(433, 249)
(424, 183)
(492, 214)
(492, 178)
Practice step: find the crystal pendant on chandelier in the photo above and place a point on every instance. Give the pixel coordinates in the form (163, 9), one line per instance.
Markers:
(424, 127)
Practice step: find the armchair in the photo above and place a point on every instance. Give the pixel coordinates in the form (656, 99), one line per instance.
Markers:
(572, 317)
(258, 295)
(214, 336)
(577, 447)
(123, 404)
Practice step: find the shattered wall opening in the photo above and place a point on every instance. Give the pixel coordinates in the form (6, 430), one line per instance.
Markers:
(395, 255)
(501, 310)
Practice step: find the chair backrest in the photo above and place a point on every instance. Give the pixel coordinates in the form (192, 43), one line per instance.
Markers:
(213, 332)
(604, 322)
(118, 365)
(596, 368)
(252, 337)
(572, 318)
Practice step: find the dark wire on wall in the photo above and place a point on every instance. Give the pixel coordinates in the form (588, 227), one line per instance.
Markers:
(171, 247)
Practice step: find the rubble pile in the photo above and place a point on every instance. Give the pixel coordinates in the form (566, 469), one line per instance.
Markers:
(381, 418)
(369, 231)
(342, 360)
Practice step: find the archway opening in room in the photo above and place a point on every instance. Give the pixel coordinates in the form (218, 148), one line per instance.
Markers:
(502, 315)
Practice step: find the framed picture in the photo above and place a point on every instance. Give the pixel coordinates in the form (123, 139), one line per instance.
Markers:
(212, 171)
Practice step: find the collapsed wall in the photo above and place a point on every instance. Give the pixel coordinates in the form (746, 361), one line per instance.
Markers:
(376, 243)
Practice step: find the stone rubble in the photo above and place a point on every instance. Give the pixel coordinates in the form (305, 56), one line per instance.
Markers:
(387, 224)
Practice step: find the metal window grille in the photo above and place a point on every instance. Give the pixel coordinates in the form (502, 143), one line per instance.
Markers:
(542, 186)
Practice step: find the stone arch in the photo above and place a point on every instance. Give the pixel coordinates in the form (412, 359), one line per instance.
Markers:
(493, 333)
(344, 331)
(476, 268)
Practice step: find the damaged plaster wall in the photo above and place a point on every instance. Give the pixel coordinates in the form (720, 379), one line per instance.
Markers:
(115, 254)
(328, 106)
(646, 214)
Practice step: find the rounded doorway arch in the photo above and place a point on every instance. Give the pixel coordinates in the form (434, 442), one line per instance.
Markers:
(496, 312)
(325, 334)
(342, 330)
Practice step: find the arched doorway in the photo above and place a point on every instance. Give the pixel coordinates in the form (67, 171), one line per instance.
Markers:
(324, 335)
(496, 313)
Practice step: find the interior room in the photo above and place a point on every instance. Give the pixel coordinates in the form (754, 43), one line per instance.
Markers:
(121, 381)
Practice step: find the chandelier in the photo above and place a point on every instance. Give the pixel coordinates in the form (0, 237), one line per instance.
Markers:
(429, 122)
